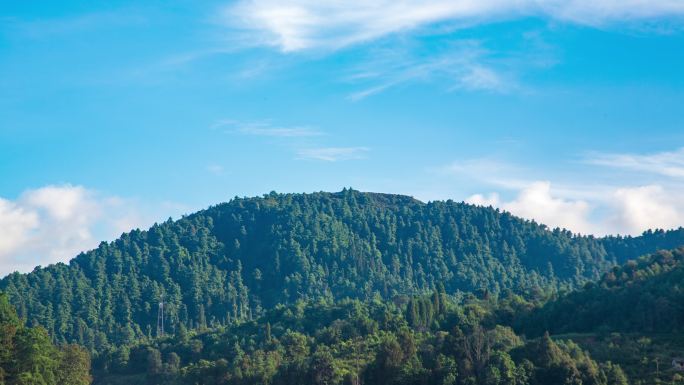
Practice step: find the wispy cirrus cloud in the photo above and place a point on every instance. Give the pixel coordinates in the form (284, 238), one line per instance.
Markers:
(488, 170)
(478, 77)
(333, 154)
(299, 25)
(266, 129)
(463, 65)
(304, 140)
(666, 163)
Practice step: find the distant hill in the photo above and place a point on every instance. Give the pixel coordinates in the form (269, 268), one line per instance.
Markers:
(235, 260)
(644, 295)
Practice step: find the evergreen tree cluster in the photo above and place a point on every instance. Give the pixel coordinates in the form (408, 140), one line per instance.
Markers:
(233, 262)
(351, 342)
(643, 295)
(28, 357)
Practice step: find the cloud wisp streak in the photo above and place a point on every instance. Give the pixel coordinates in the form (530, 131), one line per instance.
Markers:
(453, 65)
(666, 163)
(299, 25)
(462, 66)
(297, 137)
(266, 129)
(333, 154)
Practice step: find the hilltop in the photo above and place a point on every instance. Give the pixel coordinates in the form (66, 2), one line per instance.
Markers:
(236, 260)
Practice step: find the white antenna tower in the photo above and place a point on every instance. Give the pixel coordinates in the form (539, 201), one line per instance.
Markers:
(160, 318)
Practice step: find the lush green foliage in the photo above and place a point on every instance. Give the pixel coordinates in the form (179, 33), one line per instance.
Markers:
(352, 342)
(232, 262)
(28, 357)
(644, 295)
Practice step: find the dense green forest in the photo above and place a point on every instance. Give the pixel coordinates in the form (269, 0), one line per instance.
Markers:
(28, 357)
(234, 262)
(643, 295)
(424, 340)
(630, 323)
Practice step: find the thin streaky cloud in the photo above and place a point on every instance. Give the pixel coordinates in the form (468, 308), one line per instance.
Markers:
(266, 129)
(299, 25)
(481, 78)
(360, 95)
(461, 66)
(490, 171)
(333, 154)
(666, 163)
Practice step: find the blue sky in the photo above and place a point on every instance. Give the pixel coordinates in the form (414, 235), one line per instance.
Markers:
(116, 115)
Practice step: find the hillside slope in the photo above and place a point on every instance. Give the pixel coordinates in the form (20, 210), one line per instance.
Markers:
(233, 260)
(644, 295)
(353, 342)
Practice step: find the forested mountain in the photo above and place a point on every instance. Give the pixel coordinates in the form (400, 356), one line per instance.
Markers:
(644, 295)
(232, 262)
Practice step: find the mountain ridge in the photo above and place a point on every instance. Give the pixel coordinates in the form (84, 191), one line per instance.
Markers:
(233, 260)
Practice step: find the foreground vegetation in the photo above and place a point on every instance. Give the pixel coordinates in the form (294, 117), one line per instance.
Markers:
(613, 335)
(28, 357)
(421, 340)
(424, 339)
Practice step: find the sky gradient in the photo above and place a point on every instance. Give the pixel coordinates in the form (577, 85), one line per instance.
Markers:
(117, 115)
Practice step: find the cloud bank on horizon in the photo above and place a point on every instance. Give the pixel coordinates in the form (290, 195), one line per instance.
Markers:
(603, 201)
(54, 223)
(627, 210)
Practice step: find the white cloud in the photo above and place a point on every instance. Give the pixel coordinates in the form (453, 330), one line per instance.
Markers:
(62, 203)
(484, 200)
(15, 223)
(647, 207)
(666, 163)
(537, 202)
(297, 25)
(627, 210)
(54, 223)
(593, 197)
(333, 154)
